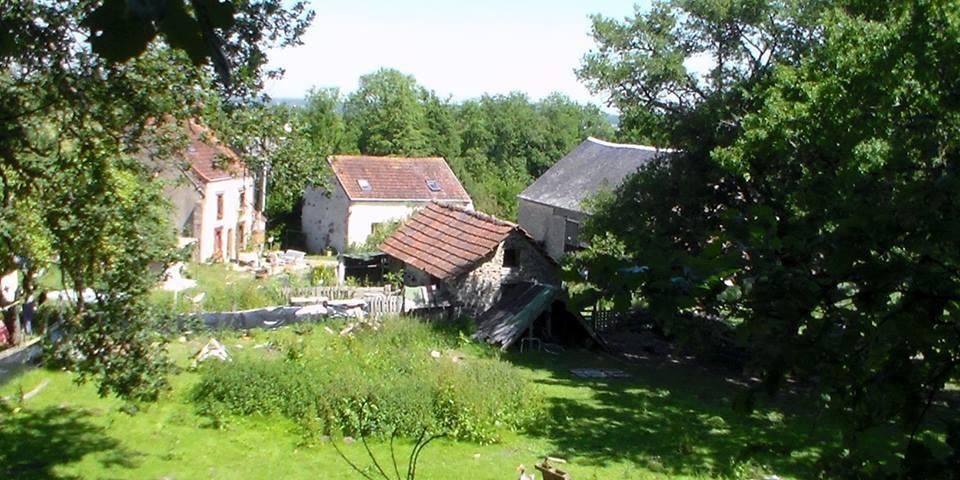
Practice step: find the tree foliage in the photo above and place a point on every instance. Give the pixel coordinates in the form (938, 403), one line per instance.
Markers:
(76, 123)
(823, 222)
(683, 69)
(386, 115)
(496, 145)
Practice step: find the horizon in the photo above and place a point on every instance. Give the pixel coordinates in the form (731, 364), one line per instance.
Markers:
(538, 46)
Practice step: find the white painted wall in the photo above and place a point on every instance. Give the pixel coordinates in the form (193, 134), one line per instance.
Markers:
(233, 215)
(323, 219)
(363, 215)
(334, 221)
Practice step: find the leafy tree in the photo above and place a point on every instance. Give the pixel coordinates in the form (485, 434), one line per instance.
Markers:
(507, 141)
(443, 136)
(823, 220)
(75, 122)
(286, 147)
(323, 120)
(232, 35)
(386, 115)
(567, 124)
(682, 69)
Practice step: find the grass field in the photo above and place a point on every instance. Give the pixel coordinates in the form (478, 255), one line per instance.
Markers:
(665, 421)
(225, 289)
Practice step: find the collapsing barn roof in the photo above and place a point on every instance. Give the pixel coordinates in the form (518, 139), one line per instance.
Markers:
(517, 310)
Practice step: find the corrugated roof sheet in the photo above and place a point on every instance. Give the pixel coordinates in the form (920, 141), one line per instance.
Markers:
(446, 241)
(517, 308)
(592, 165)
(396, 178)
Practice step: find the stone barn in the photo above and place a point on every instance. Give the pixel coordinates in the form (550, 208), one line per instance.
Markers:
(493, 271)
(551, 209)
(468, 255)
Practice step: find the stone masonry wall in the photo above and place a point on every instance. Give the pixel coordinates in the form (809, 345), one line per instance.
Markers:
(479, 289)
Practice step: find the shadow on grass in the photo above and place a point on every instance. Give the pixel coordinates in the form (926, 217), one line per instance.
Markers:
(33, 443)
(673, 419)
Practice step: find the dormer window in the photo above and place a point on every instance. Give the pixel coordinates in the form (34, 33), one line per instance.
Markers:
(433, 185)
(364, 185)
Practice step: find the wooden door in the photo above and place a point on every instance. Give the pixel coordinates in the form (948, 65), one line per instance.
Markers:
(218, 244)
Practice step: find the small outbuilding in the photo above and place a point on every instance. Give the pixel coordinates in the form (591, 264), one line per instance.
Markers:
(469, 254)
(490, 268)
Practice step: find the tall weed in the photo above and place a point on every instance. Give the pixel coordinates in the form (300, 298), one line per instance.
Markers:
(376, 383)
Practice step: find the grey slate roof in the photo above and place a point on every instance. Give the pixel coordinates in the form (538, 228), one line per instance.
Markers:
(592, 165)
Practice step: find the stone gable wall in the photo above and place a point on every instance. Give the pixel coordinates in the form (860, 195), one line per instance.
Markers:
(478, 289)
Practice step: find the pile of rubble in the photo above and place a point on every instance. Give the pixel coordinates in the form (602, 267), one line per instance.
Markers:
(272, 263)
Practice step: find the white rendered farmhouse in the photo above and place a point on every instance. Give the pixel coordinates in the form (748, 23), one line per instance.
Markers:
(367, 192)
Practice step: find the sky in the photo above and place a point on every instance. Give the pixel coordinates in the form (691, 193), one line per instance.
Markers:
(461, 49)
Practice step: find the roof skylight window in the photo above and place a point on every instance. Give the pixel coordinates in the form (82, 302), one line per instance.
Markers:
(364, 185)
(433, 185)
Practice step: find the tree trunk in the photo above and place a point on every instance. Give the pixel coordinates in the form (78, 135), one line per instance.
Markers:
(11, 320)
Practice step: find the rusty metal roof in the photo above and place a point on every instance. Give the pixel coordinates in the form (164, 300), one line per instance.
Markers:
(445, 240)
(514, 312)
(396, 178)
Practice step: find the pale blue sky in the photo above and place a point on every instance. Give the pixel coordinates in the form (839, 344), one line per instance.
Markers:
(457, 48)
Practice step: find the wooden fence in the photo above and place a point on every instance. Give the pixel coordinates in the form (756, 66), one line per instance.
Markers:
(378, 307)
(337, 293)
(379, 302)
(606, 320)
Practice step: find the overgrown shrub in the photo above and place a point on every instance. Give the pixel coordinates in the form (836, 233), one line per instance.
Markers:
(323, 275)
(375, 383)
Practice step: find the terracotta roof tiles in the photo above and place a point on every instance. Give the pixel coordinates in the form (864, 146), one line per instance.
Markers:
(208, 158)
(446, 241)
(396, 178)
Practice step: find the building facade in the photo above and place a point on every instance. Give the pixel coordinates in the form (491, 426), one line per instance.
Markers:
(366, 193)
(552, 209)
(212, 194)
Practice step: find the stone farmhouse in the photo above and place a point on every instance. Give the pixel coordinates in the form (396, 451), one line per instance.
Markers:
(551, 208)
(212, 193)
(367, 192)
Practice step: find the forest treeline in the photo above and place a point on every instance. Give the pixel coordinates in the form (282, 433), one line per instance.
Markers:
(496, 144)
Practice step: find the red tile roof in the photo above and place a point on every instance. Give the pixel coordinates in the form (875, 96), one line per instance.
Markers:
(395, 178)
(208, 158)
(446, 241)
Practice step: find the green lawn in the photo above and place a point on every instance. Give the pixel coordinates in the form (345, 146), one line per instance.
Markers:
(223, 287)
(665, 421)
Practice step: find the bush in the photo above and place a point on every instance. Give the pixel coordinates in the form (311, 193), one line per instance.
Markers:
(373, 384)
(323, 275)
